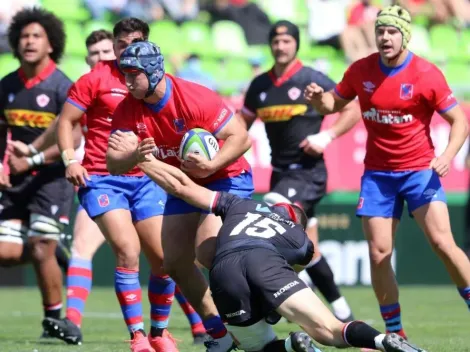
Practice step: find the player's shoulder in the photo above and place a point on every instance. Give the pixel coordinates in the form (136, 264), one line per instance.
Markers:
(365, 64)
(261, 80)
(423, 66)
(105, 66)
(10, 79)
(60, 76)
(188, 86)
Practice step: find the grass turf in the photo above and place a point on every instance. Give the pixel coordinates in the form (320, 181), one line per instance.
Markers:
(433, 316)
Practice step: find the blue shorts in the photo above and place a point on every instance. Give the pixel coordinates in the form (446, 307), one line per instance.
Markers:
(241, 185)
(383, 192)
(138, 194)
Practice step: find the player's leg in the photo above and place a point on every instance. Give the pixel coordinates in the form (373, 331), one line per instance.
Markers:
(13, 247)
(380, 207)
(87, 239)
(13, 220)
(320, 323)
(197, 328)
(307, 188)
(426, 200)
(106, 201)
(178, 239)
(51, 200)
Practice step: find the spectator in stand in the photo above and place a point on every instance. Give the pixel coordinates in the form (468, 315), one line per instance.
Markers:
(362, 15)
(248, 15)
(439, 11)
(328, 26)
(7, 10)
(191, 70)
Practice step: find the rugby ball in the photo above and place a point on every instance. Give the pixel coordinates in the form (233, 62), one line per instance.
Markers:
(198, 141)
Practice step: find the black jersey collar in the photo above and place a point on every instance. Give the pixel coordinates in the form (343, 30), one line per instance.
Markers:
(279, 81)
(30, 83)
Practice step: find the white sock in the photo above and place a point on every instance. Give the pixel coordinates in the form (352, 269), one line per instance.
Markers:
(378, 342)
(288, 345)
(341, 308)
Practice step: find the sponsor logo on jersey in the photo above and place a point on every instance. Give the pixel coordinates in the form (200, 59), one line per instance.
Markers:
(163, 152)
(368, 86)
(11, 97)
(406, 91)
(141, 127)
(116, 92)
(294, 93)
(38, 119)
(180, 125)
(221, 118)
(262, 96)
(286, 288)
(386, 117)
(278, 113)
(42, 100)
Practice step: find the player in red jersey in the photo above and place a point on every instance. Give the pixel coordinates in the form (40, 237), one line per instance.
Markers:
(165, 108)
(398, 93)
(119, 205)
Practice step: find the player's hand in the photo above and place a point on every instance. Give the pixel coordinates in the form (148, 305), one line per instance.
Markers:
(4, 179)
(123, 141)
(145, 150)
(18, 148)
(77, 175)
(197, 166)
(18, 165)
(313, 92)
(441, 165)
(316, 144)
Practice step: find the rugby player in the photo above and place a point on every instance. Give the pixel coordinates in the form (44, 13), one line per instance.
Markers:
(165, 108)
(398, 93)
(251, 277)
(127, 208)
(36, 198)
(293, 129)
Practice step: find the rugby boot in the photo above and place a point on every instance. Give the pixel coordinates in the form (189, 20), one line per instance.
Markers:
(64, 330)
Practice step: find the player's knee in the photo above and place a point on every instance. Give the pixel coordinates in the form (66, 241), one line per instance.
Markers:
(127, 258)
(254, 337)
(206, 251)
(379, 253)
(444, 245)
(177, 266)
(43, 234)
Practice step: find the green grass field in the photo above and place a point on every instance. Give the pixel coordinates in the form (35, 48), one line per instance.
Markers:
(434, 317)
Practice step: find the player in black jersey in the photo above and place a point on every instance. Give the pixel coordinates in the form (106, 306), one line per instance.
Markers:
(35, 197)
(251, 277)
(293, 129)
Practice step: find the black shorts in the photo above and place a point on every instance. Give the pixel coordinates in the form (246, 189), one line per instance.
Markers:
(249, 285)
(45, 193)
(306, 186)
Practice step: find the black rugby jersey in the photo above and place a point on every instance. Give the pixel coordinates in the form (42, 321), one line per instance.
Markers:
(28, 107)
(279, 103)
(251, 224)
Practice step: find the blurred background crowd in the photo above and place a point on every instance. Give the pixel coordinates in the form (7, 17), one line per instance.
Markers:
(222, 44)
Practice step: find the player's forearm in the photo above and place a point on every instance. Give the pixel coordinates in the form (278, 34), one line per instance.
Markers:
(348, 117)
(65, 139)
(51, 155)
(177, 183)
(326, 105)
(47, 138)
(234, 147)
(458, 135)
(119, 163)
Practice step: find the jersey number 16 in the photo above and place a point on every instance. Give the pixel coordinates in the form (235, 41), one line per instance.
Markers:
(265, 228)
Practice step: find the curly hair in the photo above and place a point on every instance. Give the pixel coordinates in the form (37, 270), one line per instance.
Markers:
(53, 27)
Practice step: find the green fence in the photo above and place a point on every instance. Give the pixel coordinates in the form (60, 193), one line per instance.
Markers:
(342, 243)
